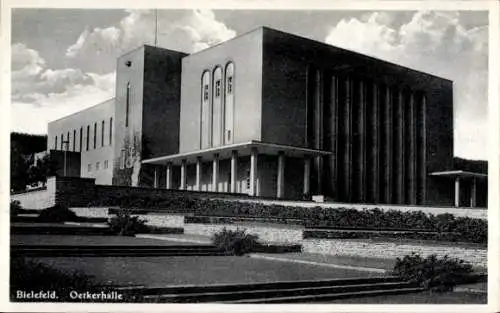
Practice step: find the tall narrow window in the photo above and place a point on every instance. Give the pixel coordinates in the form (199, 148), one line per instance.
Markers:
(74, 139)
(66, 145)
(81, 138)
(95, 135)
(127, 104)
(229, 104)
(110, 131)
(62, 141)
(55, 143)
(206, 110)
(88, 137)
(217, 109)
(102, 133)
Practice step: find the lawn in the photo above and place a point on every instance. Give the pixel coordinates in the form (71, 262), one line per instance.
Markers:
(93, 240)
(161, 271)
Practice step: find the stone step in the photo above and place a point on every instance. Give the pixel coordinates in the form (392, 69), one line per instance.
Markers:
(186, 289)
(327, 298)
(48, 253)
(230, 295)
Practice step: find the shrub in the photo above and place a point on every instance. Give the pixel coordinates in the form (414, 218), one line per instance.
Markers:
(236, 242)
(57, 214)
(124, 224)
(31, 275)
(438, 274)
(15, 207)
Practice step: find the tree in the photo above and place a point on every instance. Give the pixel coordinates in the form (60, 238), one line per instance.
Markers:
(45, 167)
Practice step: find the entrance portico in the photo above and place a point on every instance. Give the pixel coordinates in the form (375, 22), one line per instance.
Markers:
(254, 168)
(461, 178)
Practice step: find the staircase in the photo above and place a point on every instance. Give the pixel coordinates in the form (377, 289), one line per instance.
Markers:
(273, 292)
(114, 250)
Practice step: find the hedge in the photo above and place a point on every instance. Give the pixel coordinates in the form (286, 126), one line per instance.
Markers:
(470, 229)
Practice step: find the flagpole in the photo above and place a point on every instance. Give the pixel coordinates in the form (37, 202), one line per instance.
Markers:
(156, 27)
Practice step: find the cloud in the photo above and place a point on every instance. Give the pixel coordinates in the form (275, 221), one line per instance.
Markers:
(33, 115)
(433, 42)
(40, 94)
(187, 31)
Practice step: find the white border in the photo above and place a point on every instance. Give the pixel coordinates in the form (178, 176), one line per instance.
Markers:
(494, 152)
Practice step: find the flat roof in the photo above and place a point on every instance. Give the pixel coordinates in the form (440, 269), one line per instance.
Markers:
(459, 173)
(243, 149)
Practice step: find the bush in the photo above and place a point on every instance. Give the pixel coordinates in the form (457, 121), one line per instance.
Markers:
(433, 273)
(15, 207)
(31, 275)
(57, 214)
(236, 242)
(124, 224)
(470, 229)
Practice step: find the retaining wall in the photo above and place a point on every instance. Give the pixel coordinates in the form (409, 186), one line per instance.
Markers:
(391, 250)
(265, 233)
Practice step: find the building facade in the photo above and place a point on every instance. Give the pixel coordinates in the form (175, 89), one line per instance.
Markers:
(275, 115)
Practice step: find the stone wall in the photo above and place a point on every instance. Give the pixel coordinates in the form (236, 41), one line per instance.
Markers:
(95, 212)
(163, 220)
(391, 250)
(275, 234)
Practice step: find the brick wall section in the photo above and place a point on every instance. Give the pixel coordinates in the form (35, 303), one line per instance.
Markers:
(391, 250)
(38, 199)
(265, 233)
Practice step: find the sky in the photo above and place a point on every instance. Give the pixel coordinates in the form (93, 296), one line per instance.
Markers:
(63, 60)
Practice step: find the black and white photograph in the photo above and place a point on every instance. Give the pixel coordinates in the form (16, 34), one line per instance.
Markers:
(249, 155)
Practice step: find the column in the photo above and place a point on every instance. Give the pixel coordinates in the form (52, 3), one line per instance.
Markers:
(374, 157)
(155, 181)
(280, 188)
(215, 173)
(388, 146)
(348, 144)
(333, 124)
(168, 183)
(361, 144)
(457, 191)
(198, 174)
(412, 179)
(183, 175)
(473, 188)
(234, 170)
(307, 176)
(253, 171)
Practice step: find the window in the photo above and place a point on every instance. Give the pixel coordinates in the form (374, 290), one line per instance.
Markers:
(89, 168)
(127, 104)
(110, 131)
(62, 141)
(230, 84)
(95, 135)
(205, 93)
(88, 136)
(97, 166)
(74, 139)
(81, 138)
(66, 146)
(105, 164)
(102, 134)
(217, 88)
(55, 143)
